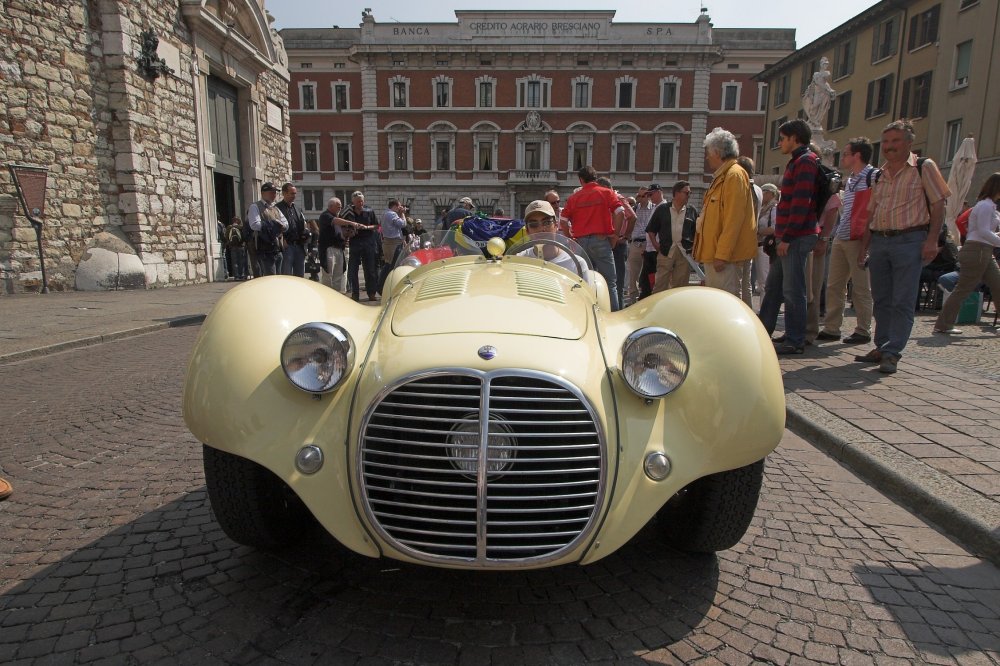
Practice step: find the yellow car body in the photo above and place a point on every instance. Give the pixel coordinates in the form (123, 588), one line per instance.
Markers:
(546, 332)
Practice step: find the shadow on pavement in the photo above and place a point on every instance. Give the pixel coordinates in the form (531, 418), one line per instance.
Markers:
(170, 585)
(833, 378)
(943, 611)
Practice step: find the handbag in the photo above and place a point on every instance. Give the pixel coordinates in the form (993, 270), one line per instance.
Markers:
(770, 246)
(860, 215)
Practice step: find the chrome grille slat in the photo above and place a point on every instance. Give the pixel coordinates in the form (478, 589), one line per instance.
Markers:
(451, 484)
(545, 463)
(429, 431)
(566, 521)
(423, 506)
(411, 468)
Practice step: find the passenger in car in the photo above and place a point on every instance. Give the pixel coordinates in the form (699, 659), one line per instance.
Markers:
(540, 218)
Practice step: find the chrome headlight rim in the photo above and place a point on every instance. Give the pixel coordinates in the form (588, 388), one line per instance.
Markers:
(338, 342)
(634, 338)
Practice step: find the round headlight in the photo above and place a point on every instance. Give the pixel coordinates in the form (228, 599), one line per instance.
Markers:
(654, 362)
(317, 356)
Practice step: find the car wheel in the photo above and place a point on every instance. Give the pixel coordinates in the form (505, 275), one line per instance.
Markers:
(253, 506)
(714, 512)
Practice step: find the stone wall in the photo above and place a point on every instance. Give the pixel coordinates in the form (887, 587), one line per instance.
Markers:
(122, 146)
(53, 114)
(276, 147)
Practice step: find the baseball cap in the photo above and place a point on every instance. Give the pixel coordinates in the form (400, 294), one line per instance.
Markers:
(654, 186)
(539, 206)
(465, 200)
(268, 187)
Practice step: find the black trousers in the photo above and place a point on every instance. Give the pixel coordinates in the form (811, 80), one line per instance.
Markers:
(364, 255)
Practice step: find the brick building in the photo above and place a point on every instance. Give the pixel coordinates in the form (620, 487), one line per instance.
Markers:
(154, 121)
(504, 105)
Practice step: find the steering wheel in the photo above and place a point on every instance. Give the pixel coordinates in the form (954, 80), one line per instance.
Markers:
(556, 244)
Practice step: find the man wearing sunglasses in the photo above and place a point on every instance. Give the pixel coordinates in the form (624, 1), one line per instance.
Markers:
(540, 218)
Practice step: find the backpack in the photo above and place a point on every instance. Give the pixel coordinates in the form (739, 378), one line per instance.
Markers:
(268, 239)
(827, 184)
(234, 237)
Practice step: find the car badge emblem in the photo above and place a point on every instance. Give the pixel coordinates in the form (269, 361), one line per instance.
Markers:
(487, 352)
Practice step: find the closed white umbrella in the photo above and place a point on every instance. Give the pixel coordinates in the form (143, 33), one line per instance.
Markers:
(959, 180)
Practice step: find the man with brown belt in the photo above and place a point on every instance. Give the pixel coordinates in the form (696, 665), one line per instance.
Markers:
(907, 208)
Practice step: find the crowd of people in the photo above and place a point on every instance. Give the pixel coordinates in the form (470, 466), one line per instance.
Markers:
(276, 239)
(874, 236)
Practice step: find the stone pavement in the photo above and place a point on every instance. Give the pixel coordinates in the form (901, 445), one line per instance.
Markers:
(928, 435)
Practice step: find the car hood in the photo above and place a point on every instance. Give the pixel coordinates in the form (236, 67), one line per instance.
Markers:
(494, 298)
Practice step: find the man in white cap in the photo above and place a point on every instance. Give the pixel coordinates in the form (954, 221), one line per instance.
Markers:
(540, 218)
(269, 225)
(462, 210)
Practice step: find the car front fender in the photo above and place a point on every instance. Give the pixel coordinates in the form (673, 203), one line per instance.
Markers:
(237, 398)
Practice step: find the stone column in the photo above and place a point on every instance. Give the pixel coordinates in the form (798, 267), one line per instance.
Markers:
(699, 127)
(369, 119)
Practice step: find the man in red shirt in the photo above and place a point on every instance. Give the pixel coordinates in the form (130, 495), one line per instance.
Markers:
(595, 214)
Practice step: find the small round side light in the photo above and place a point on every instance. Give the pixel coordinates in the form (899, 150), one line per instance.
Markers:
(657, 465)
(309, 459)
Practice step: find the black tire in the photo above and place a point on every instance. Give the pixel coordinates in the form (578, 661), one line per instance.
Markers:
(253, 506)
(714, 512)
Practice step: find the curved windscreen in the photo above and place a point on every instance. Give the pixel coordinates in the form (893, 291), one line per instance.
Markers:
(554, 248)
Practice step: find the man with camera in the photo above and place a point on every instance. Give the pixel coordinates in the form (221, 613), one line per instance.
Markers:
(294, 256)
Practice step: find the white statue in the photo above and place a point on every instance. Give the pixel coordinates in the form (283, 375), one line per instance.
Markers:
(818, 96)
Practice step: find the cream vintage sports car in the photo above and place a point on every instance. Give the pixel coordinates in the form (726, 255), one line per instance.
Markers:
(491, 413)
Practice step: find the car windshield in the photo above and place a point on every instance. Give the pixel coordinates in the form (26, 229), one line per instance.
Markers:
(551, 247)
(554, 248)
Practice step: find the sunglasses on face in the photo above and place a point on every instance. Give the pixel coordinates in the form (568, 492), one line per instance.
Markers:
(539, 224)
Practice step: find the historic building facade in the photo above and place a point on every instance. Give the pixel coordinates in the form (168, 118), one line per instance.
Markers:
(930, 61)
(154, 121)
(504, 105)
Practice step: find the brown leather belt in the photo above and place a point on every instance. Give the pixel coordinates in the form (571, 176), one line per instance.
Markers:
(889, 233)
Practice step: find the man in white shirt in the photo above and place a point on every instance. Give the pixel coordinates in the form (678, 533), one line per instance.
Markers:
(268, 224)
(540, 218)
(670, 226)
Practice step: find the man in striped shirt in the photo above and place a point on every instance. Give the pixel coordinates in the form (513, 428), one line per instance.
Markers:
(907, 207)
(796, 228)
(844, 254)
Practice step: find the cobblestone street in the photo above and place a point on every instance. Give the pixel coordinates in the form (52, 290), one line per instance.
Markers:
(109, 552)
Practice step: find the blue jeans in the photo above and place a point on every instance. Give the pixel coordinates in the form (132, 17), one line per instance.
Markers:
(786, 282)
(620, 253)
(239, 255)
(270, 263)
(894, 265)
(294, 260)
(598, 248)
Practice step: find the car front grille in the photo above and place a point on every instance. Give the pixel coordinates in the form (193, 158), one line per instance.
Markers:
(482, 468)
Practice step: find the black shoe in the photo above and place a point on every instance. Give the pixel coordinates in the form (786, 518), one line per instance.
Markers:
(823, 335)
(857, 339)
(787, 349)
(356, 297)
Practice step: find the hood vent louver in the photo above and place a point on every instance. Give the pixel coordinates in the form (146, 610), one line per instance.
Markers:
(450, 283)
(535, 285)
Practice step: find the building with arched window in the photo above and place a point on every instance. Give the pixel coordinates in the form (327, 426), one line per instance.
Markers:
(501, 106)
